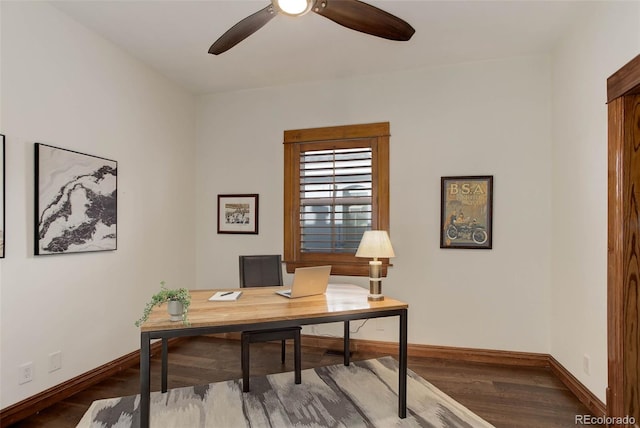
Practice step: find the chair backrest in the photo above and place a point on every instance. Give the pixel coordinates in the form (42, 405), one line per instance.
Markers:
(260, 271)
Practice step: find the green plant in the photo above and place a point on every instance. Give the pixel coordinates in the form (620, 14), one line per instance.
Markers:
(164, 295)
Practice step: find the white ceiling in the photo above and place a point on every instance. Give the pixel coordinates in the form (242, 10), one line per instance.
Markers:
(174, 36)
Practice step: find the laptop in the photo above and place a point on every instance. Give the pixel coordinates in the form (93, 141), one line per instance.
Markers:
(308, 281)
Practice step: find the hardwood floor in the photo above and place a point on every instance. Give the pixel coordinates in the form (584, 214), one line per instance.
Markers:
(505, 396)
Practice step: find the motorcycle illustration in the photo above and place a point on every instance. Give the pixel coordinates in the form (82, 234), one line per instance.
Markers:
(471, 230)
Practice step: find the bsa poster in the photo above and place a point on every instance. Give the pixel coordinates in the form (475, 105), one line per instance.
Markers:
(466, 212)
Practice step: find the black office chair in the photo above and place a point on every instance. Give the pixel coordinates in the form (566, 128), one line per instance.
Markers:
(264, 271)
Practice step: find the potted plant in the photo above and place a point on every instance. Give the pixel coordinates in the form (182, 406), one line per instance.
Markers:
(178, 304)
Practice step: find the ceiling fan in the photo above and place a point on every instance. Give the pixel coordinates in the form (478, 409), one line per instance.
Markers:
(352, 14)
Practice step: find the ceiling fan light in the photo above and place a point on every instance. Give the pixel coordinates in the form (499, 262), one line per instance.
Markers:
(293, 7)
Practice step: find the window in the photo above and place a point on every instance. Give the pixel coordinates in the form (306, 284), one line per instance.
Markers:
(336, 187)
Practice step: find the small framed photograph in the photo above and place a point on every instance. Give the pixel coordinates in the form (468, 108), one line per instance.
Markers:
(238, 214)
(466, 212)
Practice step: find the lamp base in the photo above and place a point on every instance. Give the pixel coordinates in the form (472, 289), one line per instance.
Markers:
(375, 281)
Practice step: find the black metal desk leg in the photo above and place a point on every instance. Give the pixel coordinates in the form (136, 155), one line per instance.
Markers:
(145, 379)
(347, 347)
(402, 373)
(245, 362)
(297, 364)
(165, 363)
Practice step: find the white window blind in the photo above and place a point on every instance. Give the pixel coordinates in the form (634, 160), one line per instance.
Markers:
(335, 199)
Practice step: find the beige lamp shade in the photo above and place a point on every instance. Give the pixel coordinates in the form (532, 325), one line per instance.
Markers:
(374, 244)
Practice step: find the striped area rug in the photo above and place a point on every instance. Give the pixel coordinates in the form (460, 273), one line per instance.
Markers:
(363, 394)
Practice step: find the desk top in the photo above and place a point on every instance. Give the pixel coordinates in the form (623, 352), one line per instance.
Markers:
(261, 304)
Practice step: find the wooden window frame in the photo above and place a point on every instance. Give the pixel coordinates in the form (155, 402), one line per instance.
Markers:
(374, 135)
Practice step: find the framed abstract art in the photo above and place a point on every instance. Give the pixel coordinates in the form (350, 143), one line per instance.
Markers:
(76, 199)
(2, 199)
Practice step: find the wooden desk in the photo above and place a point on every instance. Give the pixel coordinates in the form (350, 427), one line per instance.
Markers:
(260, 308)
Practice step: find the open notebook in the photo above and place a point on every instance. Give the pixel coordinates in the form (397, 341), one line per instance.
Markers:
(224, 296)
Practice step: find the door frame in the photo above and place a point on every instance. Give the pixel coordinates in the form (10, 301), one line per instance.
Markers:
(623, 239)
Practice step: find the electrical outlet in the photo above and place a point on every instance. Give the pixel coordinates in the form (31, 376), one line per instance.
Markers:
(586, 364)
(25, 373)
(55, 361)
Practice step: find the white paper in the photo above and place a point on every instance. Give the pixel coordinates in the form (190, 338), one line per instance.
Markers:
(224, 296)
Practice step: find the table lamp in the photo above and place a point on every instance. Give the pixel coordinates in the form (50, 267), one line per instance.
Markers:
(374, 244)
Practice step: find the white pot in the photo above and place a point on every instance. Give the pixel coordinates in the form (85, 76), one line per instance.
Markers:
(176, 309)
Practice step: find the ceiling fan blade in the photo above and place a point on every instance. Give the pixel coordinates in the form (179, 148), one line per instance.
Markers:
(365, 18)
(242, 30)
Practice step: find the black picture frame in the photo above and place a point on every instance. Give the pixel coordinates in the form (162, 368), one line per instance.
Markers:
(2, 189)
(238, 214)
(466, 212)
(76, 202)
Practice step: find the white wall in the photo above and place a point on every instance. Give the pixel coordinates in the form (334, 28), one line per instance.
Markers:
(488, 118)
(603, 39)
(62, 85)
(543, 286)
